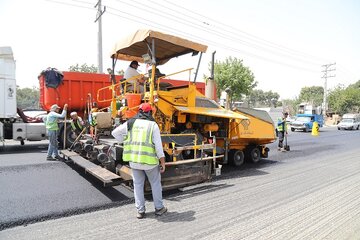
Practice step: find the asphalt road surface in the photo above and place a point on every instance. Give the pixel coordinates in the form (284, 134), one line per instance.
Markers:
(311, 192)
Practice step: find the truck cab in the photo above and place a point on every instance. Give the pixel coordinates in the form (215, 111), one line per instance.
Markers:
(14, 124)
(304, 122)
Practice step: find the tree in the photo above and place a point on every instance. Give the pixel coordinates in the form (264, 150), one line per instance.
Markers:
(290, 105)
(314, 95)
(355, 85)
(27, 97)
(344, 100)
(259, 98)
(232, 74)
(83, 68)
(335, 99)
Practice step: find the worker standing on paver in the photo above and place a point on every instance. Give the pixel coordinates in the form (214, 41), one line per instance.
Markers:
(136, 85)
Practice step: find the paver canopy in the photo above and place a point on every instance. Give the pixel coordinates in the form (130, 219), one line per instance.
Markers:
(166, 46)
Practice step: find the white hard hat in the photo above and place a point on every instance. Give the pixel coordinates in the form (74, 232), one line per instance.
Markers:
(73, 114)
(54, 107)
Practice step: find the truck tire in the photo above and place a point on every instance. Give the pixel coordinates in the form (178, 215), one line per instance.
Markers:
(253, 154)
(292, 129)
(236, 157)
(69, 137)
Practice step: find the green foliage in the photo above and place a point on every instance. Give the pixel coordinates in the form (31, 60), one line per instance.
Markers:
(313, 95)
(345, 100)
(83, 68)
(290, 105)
(27, 97)
(355, 85)
(234, 75)
(259, 98)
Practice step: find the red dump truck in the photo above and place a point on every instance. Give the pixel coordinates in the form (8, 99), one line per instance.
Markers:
(78, 89)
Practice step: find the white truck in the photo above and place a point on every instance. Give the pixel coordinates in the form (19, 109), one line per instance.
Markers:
(14, 124)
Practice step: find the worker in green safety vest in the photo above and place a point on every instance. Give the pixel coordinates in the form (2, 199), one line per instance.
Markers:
(77, 124)
(52, 127)
(281, 129)
(143, 149)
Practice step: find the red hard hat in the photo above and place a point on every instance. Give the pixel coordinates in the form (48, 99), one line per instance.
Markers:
(145, 107)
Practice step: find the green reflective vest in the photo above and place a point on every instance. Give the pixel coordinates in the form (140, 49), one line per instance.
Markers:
(281, 125)
(52, 123)
(77, 126)
(138, 146)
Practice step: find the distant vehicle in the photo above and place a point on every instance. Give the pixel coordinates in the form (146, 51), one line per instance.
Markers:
(349, 121)
(290, 119)
(304, 122)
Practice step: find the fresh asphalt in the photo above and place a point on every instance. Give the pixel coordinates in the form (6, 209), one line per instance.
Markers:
(35, 190)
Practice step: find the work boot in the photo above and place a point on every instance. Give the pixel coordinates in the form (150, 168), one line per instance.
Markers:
(161, 211)
(140, 215)
(57, 157)
(50, 158)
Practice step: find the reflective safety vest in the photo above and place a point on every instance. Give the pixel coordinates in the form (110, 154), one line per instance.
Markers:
(138, 145)
(51, 123)
(76, 125)
(281, 125)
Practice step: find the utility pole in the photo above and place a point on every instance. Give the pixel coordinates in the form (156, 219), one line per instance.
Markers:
(327, 69)
(98, 19)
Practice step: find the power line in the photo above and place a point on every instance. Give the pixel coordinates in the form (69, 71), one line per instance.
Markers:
(211, 29)
(174, 31)
(347, 72)
(232, 28)
(205, 26)
(70, 4)
(164, 27)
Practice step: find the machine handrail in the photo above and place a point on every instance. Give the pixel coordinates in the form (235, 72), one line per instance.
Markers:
(113, 86)
(172, 74)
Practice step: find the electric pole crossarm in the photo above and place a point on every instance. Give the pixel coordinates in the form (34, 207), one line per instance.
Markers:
(326, 70)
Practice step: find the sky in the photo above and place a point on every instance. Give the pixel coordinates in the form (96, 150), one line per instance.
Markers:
(285, 43)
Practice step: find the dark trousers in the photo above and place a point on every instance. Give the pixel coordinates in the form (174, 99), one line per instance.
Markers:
(281, 135)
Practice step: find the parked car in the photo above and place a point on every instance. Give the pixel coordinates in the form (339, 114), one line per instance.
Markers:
(350, 122)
